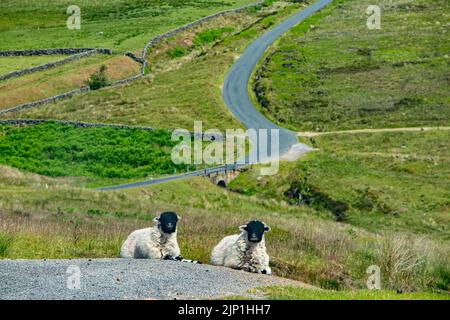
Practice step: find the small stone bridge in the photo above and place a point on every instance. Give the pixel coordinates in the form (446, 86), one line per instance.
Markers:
(223, 178)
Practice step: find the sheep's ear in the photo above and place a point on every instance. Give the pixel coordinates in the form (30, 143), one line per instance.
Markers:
(156, 219)
(243, 227)
(266, 228)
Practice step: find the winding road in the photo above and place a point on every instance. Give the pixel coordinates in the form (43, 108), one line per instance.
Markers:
(236, 97)
(235, 91)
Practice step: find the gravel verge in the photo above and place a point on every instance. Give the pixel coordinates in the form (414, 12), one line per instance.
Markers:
(111, 279)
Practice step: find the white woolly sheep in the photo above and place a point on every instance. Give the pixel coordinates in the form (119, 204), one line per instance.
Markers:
(245, 251)
(157, 242)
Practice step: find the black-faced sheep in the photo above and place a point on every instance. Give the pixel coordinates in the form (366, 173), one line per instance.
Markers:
(157, 242)
(245, 251)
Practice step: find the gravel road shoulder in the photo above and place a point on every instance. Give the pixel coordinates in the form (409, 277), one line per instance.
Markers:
(126, 279)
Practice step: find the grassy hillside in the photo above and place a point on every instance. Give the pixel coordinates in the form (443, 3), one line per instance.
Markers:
(116, 24)
(183, 87)
(121, 25)
(332, 73)
(378, 181)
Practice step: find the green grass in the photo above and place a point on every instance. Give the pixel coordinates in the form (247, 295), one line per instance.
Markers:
(183, 89)
(292, 293)
(378, 181)
(62, 150)
(332, 73)
(117, 24)
(10, 64)
(5, 243)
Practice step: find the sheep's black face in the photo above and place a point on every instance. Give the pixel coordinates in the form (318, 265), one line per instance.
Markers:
(168, 222)
(255, 230)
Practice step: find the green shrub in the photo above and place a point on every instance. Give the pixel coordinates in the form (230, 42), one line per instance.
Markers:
(5, 244)
(211, 35)
(99, 79)
(439, 275)
(268, 3)
(177, 52)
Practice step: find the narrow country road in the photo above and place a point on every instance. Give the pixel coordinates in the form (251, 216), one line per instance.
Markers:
(110, 279)
(235, 91)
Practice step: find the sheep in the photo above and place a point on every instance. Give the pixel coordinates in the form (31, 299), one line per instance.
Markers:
(245, 251)
(157, 242)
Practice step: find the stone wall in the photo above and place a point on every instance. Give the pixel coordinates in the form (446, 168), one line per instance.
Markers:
(127, 80)
(55, 51)
(49, 65)
(171, 33)
(134, 57)
(81, 124)
(72, 123)
(46, 100)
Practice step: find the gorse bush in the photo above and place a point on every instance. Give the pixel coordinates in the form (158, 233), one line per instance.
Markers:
(99, 79)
